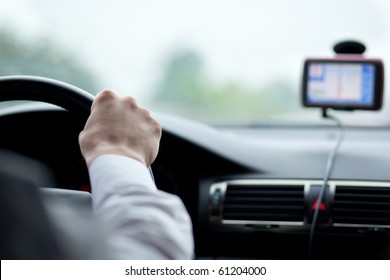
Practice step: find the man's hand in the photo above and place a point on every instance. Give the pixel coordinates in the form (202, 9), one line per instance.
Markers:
(117, 125)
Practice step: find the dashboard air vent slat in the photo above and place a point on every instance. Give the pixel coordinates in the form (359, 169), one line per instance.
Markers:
(278, 203)
(361, 205)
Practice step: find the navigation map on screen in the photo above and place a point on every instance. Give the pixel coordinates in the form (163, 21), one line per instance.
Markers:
(341, 83)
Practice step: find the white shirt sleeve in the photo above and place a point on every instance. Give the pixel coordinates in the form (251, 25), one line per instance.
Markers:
(145, 223)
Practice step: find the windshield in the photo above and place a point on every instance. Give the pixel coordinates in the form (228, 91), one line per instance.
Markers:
(232, 62)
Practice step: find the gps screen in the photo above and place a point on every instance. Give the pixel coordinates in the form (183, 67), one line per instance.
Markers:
(340, 84)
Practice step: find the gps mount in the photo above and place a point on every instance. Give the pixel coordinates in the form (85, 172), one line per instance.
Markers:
(349, 47)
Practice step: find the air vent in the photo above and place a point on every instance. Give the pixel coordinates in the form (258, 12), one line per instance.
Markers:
(361, 206)
(258, 202)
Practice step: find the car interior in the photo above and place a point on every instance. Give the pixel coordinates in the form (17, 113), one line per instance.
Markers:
(278, 190)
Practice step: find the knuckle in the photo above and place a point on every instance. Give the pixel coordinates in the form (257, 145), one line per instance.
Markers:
(157, 127)
(145, 112)
(106, 94)
(103, 97)
(130, 101)
(157, 124)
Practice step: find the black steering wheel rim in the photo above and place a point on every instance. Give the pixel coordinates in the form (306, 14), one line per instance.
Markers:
(69, 97)
(34, 88)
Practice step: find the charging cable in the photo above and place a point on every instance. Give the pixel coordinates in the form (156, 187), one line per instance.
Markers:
(328, 170)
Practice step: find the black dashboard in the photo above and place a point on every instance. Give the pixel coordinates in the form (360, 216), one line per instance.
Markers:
(250, 191)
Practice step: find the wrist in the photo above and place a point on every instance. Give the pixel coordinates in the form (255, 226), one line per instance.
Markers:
(91, 155)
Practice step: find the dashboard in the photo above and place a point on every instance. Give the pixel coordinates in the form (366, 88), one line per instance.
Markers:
(250, 191)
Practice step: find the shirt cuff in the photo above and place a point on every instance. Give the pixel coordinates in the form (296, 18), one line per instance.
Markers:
(108, 172)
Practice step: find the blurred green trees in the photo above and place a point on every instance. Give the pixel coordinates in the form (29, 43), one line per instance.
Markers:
(42, 58)
(186, 91)
(184, 88)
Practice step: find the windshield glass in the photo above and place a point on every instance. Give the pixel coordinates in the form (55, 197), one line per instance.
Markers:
(232, 62)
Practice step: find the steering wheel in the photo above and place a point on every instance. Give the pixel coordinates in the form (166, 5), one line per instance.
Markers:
(71, 98)
(32, 88)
